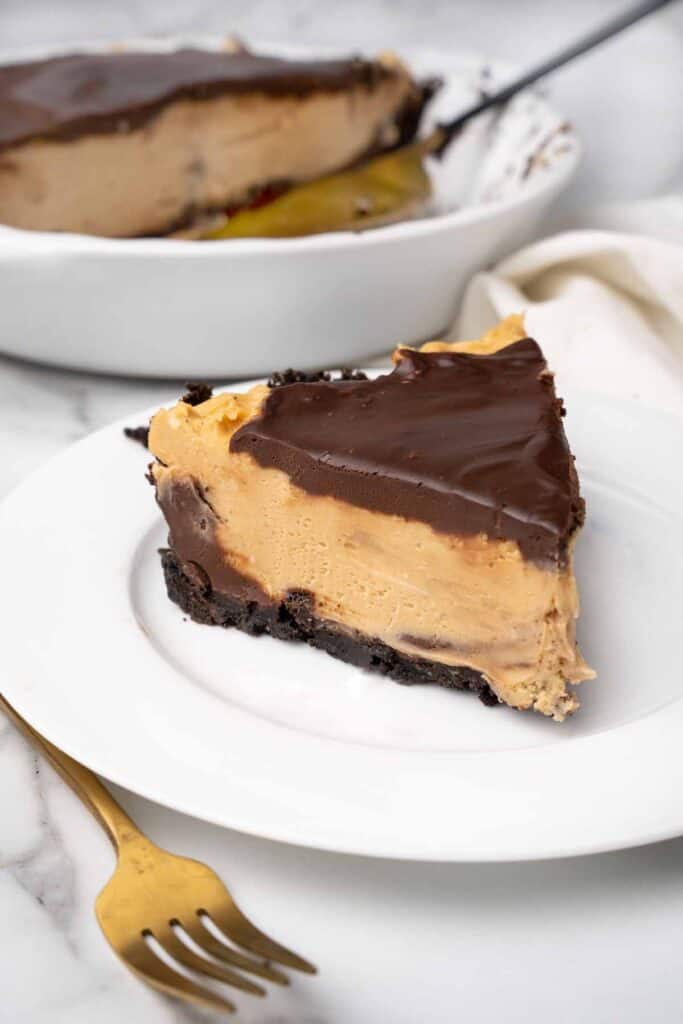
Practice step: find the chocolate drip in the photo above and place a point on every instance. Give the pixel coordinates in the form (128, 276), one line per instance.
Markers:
(65, 97)
(466, 443)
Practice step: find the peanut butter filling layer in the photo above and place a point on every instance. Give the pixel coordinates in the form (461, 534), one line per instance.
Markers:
(193, 156)
(458, 600)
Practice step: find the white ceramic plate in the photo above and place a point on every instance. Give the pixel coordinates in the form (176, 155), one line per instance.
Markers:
(242, 307)
(285, 742)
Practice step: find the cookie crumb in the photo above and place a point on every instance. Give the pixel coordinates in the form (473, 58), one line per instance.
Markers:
(283, 377)
(138, 434)
(198, 391)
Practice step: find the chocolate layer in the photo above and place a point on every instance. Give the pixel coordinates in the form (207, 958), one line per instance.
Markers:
(192, 528)
(65, 97)
(466, 443)
(294, 619)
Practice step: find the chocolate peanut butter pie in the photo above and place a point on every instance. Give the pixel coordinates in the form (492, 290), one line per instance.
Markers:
(141, 143)
(420, 524)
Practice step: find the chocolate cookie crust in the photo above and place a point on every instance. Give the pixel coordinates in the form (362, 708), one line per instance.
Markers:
(294, 619)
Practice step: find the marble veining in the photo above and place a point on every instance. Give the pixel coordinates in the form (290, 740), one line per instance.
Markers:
(43, 868)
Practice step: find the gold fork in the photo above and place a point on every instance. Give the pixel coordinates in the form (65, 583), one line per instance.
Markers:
(156, 895)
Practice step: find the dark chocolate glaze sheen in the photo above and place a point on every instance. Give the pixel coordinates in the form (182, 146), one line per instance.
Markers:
(466, 443)
(65, 97)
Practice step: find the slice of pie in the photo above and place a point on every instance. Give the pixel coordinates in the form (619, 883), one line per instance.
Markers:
(126, 143)
(420, 524)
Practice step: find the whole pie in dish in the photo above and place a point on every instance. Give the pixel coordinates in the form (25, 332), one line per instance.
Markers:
(420, 524)
(127, 143)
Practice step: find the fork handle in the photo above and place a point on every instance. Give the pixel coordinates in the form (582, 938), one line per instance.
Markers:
(119, 827)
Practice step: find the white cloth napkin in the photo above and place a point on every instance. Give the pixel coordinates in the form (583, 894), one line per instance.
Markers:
(605, 303)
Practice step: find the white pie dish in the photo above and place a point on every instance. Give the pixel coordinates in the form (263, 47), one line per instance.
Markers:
(241, 307)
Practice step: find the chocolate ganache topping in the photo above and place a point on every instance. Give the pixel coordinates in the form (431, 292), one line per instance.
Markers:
(65, 97)
(466, 443)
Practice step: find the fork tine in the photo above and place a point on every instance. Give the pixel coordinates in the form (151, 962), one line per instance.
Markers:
(199, 934)
(140, 958)
(170, 942)
(233, 923)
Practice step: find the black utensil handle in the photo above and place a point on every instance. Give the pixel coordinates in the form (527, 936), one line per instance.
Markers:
(588, 42)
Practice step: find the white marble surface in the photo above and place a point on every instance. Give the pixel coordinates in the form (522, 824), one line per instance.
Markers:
(595, 939)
